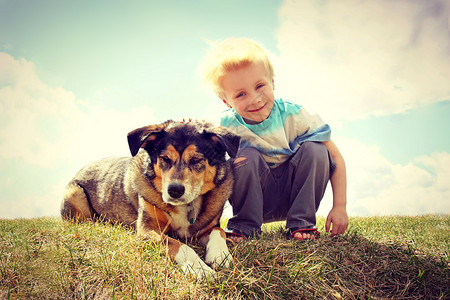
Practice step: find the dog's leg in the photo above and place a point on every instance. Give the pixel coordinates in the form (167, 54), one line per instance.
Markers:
(217, 253)
(188, 259)
(75, 204)
(151, 224)
(181, 253)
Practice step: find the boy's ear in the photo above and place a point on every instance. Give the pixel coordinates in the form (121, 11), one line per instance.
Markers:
(226, 102)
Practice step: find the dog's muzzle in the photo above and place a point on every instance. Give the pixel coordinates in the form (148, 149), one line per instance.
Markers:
(175, 190)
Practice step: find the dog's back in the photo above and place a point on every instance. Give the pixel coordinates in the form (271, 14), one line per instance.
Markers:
(99, 187)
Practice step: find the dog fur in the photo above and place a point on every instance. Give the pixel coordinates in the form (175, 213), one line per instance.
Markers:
(173, 188)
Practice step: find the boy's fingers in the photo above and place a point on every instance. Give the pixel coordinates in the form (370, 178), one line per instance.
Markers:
(337, 229)
(341, 229)
(328, 224)
(334, 230)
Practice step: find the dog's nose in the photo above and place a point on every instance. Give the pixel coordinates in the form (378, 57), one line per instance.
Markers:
(176, 190)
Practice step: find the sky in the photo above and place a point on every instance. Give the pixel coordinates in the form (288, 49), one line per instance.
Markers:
(77, 76)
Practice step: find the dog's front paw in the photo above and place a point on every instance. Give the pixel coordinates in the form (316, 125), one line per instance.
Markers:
(219, 258)
(217, 253)
(191, 263)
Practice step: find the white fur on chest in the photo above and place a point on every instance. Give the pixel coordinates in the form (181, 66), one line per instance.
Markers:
(186, 215)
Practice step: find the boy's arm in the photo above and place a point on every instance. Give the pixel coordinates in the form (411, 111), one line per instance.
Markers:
(338, 214)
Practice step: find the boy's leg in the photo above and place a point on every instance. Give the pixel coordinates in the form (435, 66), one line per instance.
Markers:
(276, 193)
(311, 168)
(250, 171)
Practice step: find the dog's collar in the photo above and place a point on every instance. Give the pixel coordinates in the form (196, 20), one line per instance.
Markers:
(191, 215)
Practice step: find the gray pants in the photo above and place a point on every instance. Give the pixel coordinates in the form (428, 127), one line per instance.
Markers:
(292, 191)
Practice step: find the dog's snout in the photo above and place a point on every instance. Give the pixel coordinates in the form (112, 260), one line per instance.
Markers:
(176, 190)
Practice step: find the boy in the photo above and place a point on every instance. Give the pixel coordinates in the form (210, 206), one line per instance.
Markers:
(286, 156)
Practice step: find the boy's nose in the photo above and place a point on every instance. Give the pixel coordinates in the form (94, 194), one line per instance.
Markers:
(256, 97)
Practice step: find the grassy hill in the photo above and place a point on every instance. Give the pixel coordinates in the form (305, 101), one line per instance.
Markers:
(379, 257)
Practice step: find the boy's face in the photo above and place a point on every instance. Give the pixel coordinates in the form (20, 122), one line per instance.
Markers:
(249, 91)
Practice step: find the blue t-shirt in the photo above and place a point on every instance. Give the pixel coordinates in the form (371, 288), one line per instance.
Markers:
(281, 134)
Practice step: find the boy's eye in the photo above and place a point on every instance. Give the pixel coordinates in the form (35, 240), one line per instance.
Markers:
(240, 95)
(259, 86)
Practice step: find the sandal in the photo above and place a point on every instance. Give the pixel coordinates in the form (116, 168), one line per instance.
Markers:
(236, 233)
(313, 231)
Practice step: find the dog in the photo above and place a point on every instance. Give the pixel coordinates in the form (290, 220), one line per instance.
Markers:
(173, 188)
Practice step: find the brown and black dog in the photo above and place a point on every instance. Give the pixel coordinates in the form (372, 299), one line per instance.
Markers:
(173, 189)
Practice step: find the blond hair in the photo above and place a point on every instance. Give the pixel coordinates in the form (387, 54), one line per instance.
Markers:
(230, 55)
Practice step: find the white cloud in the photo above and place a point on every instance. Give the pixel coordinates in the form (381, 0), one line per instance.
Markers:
(34, 205)
(349, 59)
(378, 187)
(43, 126)
(31, 112)
(48, 129)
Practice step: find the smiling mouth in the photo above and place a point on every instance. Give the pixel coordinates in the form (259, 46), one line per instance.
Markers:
(258, 109)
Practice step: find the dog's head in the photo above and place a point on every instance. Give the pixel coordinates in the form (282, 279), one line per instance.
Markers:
(185, 159)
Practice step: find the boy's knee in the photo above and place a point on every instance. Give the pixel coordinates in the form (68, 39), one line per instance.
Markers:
(239, 161)
(315, 151)
(247, 156)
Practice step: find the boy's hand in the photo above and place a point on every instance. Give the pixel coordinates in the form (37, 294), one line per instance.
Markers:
(339, 218)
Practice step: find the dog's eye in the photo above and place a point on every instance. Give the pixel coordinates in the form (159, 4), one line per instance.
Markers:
(166, 160)
(195, 161)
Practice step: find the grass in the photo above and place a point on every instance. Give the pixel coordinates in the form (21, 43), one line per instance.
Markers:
(379, 257)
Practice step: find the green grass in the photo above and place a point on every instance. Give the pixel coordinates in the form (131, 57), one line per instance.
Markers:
(379, 257)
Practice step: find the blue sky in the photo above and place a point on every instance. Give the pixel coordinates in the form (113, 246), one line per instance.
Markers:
(75, 77)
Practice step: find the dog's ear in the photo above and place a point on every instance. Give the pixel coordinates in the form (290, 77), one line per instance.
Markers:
(221, 137)
(139, 138)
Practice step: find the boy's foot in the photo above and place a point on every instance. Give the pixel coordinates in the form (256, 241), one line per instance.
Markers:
(236, 237)
(305, 234)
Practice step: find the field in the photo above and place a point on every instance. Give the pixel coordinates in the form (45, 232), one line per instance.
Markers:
(378, 258)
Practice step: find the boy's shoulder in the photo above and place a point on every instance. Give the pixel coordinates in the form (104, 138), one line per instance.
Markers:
(287, 107)
(228, 117)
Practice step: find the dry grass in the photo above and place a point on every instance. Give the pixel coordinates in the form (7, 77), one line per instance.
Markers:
(384, 257)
